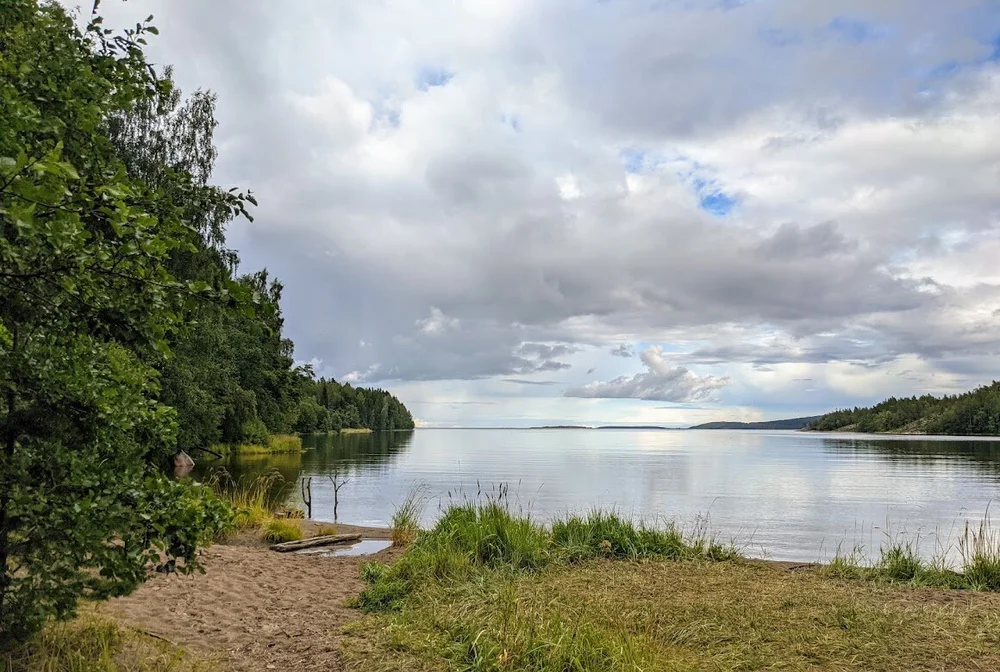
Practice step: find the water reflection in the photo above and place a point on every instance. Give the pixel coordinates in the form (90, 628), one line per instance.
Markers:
(350, 453)
(345, 455)
(983, 454)
(798, 495)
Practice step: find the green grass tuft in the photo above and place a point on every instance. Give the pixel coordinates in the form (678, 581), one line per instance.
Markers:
(406, 518)
(280, 530)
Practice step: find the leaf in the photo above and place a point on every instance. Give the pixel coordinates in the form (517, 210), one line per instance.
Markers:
(153, 29)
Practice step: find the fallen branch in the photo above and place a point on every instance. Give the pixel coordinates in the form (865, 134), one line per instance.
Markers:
(325, 540)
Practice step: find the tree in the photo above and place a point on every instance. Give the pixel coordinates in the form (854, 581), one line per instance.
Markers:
(88, 309)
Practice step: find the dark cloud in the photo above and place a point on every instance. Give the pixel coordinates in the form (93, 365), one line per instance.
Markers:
(623, 350)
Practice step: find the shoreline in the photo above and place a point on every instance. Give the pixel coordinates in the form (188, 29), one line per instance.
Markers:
(256, 609)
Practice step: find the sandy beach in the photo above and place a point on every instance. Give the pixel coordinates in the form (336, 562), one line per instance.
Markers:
(253, 608)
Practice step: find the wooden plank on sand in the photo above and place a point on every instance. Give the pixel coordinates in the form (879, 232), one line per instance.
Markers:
(324, 540)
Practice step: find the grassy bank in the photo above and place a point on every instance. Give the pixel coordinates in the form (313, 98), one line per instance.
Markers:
(275, 444)
(488, 590)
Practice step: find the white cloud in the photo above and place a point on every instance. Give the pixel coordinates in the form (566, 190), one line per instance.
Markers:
(762, 185)
(660, 382)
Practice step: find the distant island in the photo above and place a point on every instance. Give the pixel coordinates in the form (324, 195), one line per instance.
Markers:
(975, 413)
(602, 427)
(791, 423)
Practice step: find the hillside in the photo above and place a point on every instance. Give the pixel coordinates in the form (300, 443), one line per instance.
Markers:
(975, 413)
(790, 423)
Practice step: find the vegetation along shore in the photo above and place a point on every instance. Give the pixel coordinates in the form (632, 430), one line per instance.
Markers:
(127, 331)
(974, 413)
(489, 589)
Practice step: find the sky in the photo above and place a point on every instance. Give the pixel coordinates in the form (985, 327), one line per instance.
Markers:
(665, 212)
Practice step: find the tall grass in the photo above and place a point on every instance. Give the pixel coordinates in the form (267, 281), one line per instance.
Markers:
(471, 537)
(96, 644)
(898, 561)
(406, 518)
(980, 551)
(249, 496)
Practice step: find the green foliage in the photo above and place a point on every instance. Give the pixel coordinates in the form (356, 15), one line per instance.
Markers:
(327, 405)
(88, 308)
(975, 413)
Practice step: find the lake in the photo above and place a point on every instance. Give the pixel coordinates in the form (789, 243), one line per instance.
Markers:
(782, 495)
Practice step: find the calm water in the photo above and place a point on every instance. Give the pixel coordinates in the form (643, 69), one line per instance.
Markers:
(784, 495)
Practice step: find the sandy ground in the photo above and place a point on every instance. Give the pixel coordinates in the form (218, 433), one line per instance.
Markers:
(254, 609)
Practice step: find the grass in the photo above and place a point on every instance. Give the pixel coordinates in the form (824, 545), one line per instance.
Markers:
(604, 614)
(325, 530)
(251, 497)
(356, 430)
(280, 530)
(256, 510)
(469, 538)
(94, 644)
(406, 519)
(486, 589)
(898, 562)
(276, 444)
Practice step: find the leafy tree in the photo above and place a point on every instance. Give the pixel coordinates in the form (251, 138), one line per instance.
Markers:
(329, 405)
(88, 308)
(973, 413)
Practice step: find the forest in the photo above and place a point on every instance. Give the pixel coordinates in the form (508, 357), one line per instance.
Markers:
(974, 413)
(127, 329)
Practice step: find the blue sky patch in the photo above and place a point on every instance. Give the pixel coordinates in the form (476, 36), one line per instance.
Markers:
(639, 160)
(428, 78)
(717, 203)
(712, 198)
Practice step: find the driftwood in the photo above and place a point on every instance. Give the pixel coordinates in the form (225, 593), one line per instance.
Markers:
(325, 540)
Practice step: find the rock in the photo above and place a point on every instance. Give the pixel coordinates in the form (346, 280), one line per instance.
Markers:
(183, 464)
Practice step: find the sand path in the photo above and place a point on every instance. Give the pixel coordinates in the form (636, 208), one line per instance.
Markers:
(254, 609)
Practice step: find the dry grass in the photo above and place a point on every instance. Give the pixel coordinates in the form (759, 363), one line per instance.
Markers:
(94, 644)
(690, 615)
(324, 530)
(356, 430)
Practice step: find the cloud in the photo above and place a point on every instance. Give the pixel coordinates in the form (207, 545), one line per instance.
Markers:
(518, 381)
(517, 188)
(623, 350)
(660, 382)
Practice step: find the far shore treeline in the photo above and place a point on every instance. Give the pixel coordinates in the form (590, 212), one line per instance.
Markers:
(975, 413)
